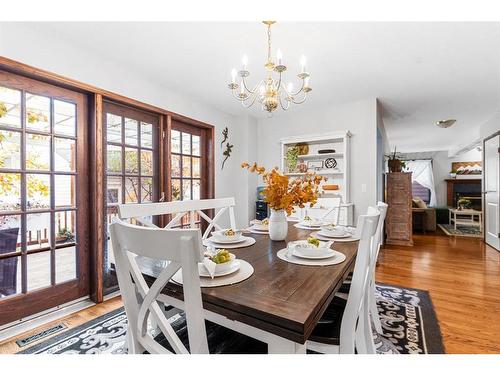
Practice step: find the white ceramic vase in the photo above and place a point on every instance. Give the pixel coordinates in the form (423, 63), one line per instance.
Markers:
(278, 227)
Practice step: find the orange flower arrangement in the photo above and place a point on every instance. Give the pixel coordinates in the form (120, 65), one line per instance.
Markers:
(281, 193)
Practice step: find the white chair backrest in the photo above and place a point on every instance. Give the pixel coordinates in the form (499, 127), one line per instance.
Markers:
(359, 284)
(180, 248)
(143, 212)
(333, 213)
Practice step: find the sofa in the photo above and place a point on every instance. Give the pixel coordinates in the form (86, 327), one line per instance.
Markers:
(429, 215)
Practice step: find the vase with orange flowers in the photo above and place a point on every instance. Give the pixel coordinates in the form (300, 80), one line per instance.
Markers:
(282, 193)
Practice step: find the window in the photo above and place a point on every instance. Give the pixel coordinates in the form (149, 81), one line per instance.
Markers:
(418, 191)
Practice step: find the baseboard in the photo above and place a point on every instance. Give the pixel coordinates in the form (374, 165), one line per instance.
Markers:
(17, 327)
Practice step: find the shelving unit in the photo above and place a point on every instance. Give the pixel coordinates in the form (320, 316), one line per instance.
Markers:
(338, 141)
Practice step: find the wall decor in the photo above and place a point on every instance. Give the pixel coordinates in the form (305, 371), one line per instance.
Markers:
(227, 153)
(467, 167)
(326, 151)
(225, 134)
(330, 163)
(302, 167)
(330, 187)
(314, 164)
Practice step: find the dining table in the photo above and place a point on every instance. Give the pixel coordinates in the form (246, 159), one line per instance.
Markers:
(280, 303)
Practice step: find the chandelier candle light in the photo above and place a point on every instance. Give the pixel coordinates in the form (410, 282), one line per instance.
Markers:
(270, 92)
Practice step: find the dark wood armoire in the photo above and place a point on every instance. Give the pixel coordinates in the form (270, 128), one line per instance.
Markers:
(398, 224)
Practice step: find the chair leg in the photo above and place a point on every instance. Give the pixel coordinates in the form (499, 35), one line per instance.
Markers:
(360, 335)
(132, 344)
(374, 310)
(370, 345)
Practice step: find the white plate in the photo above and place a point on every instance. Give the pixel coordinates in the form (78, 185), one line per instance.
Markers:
(323, 238)
(311, 224)
(204, 272)
(325, 234)
(310, 253)
(257, 229)
(228, 241)
(300, 226)
(260, 227)
(249, 241)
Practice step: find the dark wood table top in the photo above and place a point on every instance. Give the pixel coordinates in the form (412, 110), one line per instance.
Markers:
(280, 297)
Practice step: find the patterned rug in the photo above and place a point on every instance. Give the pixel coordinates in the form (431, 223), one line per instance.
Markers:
(409, 325)
(461, 231)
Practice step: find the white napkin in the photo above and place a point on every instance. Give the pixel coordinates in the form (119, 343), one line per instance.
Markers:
(210, 266)
(208, 263)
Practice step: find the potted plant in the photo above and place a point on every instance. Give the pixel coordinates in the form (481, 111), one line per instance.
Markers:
(453, 173)
(464, 203)
(282, 194)
(394, 163)
(64, 235)
(292, 157)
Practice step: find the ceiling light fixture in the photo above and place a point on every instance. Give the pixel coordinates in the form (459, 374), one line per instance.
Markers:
(270, 92)
(445, 123)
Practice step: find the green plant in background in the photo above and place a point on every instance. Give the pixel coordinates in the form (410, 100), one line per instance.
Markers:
(292, 157)
(66, 234)
(464, 203)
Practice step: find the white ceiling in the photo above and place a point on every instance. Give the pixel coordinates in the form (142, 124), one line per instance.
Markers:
(421, 72)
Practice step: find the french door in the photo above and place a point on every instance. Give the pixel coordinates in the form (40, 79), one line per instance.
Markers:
(190, 163)
(44, 217)
(131, 167)
(492, 191)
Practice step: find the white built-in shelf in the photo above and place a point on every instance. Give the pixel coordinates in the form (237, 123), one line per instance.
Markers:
(319, 156)
(321, 173)
(338, 141)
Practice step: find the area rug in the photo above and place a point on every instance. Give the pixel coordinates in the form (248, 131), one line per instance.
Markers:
(408, 320)
(461, 231)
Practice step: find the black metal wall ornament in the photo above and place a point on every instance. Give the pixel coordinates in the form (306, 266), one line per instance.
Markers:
(227, 153)
(229, 147)
(330, 163)
(225, 134)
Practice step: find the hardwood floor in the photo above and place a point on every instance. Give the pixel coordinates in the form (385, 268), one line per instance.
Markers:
(461, 274)
(71, 321)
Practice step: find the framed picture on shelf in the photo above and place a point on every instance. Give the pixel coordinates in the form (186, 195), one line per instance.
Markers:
(314, 165)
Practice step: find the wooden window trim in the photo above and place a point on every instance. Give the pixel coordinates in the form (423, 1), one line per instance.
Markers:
(96, 96)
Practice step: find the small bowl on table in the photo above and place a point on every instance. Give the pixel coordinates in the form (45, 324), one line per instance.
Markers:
(227, 235)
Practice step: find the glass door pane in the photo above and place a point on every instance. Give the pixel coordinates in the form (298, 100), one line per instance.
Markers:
(131, 163)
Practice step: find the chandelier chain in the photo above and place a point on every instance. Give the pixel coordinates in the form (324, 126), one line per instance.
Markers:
(269, 42)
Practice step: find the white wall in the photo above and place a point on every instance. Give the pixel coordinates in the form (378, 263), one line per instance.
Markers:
(357, 117)
(30, 46)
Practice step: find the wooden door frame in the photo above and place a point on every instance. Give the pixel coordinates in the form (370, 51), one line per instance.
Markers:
(50, 296)
(96, 171)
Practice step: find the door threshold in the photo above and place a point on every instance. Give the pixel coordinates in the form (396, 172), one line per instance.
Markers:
(28, 323)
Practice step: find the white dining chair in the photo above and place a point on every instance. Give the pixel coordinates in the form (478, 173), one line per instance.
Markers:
(375, 250)
(184, 251)
(143, 213)
(377, 243)
(345, 328)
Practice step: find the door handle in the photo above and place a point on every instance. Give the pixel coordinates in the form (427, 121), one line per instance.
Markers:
(162, 198)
